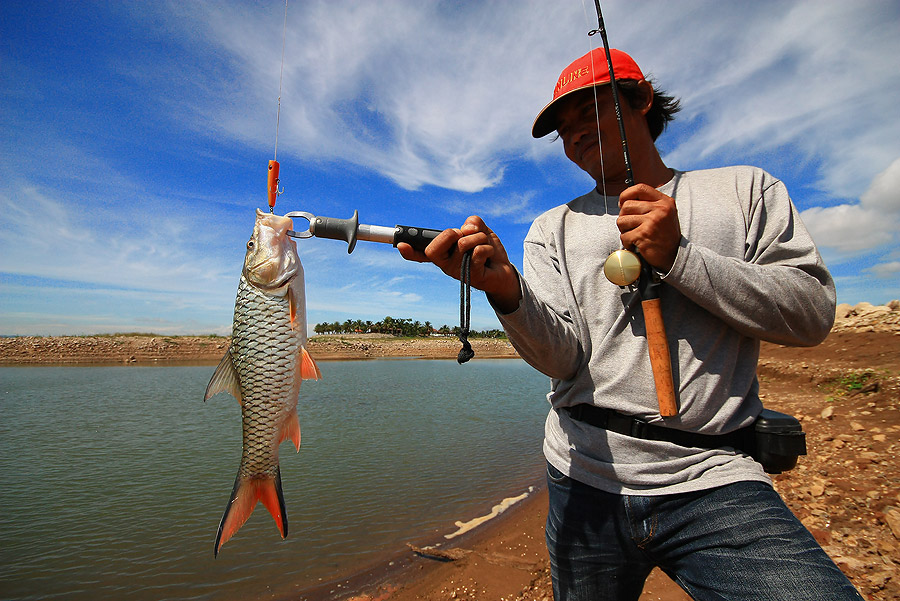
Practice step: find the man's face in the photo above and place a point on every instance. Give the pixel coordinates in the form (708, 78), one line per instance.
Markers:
(578, 123)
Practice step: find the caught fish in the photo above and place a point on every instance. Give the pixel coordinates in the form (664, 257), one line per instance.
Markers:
(263, 369)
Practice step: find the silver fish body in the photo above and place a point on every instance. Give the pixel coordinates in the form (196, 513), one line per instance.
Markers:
(263, 369)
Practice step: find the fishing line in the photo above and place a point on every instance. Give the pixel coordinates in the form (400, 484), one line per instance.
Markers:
(273, 179)
(281, 79)
(596, 110)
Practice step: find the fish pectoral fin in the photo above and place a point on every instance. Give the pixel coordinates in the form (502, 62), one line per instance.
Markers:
(308, 368)
(246, 493)
(225, 379)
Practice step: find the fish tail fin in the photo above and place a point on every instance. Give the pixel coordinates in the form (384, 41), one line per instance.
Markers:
(308, 368)
(291, 429)
(272, 497)
(246, 493)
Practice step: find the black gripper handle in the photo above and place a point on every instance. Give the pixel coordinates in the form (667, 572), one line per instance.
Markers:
(416, 237)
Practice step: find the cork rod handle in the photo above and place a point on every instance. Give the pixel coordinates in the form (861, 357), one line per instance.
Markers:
(660, 359)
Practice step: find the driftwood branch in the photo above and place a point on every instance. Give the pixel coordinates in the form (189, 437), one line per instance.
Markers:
(439, 554)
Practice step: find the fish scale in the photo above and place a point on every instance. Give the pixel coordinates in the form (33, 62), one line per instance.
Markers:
(265, 358)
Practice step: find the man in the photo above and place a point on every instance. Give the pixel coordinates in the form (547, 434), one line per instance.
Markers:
(737, 267)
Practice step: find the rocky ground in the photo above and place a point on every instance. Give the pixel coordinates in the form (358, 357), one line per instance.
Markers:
(137, 348)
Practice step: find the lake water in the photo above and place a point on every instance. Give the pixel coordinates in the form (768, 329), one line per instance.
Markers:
(113, 479)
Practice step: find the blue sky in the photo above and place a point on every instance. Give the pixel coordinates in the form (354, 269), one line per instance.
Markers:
(134, 140)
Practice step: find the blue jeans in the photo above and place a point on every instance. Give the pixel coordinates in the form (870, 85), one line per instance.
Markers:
(733, 542)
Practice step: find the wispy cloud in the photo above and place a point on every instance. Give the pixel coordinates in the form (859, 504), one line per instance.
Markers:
(811, 78)
(869, 225)
(420, 93)
(48, 237)
(133, 165)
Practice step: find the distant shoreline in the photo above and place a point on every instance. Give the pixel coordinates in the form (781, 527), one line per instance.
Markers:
(155, 349)
(139, 349)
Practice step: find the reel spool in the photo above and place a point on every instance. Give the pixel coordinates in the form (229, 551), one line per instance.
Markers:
(622, 267)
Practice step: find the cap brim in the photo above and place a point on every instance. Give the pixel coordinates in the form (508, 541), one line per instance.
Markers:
(545, 122)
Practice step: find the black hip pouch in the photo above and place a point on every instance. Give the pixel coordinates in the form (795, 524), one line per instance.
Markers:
(778, 440)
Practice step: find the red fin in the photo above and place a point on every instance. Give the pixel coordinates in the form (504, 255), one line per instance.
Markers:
(243, 500)
(291, 430)
(308, 368)
(271, 496)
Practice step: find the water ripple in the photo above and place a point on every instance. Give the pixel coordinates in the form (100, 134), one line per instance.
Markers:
(113, 479)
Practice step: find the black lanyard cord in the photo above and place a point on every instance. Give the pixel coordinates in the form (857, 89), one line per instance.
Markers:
(465, 308)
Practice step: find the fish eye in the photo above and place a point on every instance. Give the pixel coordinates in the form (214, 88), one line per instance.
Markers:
(250, 245)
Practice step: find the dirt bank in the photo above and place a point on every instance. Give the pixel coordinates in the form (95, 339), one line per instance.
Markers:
(142, 349)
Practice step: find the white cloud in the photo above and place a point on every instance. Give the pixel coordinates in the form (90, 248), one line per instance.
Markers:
(417, 91)
(891, 269)
(884, 192)
(517, 207)
(427, 95)
(45, 236)
(813, 76)
(855, 228)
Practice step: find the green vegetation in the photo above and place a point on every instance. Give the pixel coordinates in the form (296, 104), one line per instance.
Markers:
(402, 327)
(855, 381)
(851, 383)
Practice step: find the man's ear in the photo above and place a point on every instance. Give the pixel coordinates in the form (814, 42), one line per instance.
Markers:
(645, 97)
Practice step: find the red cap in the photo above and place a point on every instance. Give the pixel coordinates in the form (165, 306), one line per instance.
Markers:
(589, 70)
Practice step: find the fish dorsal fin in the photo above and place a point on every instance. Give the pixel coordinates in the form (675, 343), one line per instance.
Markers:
(225, 379)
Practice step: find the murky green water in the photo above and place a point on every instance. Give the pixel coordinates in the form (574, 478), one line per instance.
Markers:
(113, 479)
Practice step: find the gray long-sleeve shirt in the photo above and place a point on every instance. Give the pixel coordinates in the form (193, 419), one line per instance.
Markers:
(746, 270)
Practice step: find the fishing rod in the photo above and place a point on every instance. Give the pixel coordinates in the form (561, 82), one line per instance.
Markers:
(624, 267)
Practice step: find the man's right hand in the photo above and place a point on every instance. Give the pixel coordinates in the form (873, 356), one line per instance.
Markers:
(490, 269)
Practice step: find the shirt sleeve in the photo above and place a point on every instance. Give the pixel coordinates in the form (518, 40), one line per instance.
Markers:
(780, 291)
(542, 328)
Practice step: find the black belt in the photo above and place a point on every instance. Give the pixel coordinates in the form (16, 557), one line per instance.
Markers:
(613, 421)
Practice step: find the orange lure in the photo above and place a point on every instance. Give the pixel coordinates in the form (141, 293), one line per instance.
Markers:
(273, 184)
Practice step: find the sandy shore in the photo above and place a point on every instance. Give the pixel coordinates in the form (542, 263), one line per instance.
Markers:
(503, 559)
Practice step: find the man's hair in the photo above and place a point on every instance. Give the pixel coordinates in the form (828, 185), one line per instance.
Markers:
(661, 112)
